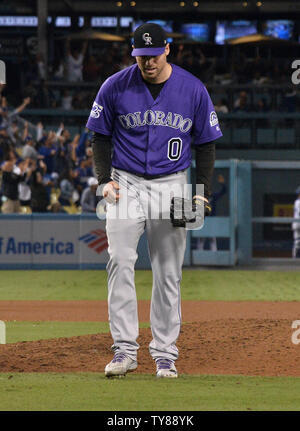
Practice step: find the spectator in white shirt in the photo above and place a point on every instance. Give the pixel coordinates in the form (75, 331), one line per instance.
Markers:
(74, 62)
(66, 100)
(221, 106)
(89, 199)
(28, 151)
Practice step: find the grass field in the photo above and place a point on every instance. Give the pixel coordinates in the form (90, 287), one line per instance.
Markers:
(49, 391)
(64, 392)
(219, 285)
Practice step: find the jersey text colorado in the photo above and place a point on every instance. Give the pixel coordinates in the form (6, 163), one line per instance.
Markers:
(156, 118)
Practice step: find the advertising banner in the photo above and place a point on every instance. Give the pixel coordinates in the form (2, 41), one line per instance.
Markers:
(47, 241)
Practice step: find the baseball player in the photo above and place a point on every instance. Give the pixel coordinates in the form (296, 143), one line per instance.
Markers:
(296, 226)
(144, 120)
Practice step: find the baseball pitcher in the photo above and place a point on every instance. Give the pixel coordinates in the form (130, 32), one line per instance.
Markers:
(145, 120)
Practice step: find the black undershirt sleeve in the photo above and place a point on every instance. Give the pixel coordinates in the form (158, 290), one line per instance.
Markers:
(102, 149)
(205, 155)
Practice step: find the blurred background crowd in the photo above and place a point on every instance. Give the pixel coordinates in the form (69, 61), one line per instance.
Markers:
(47, 172)
(46, 162)
(79, 67)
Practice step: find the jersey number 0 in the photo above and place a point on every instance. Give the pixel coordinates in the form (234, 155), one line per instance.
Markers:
(174, 148)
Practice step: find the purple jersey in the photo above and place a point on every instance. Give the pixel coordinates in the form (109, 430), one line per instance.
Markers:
(149, 136)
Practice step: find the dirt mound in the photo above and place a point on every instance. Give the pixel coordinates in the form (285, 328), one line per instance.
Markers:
(225, 346)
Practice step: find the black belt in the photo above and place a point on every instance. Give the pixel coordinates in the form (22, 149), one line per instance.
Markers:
(153, 177)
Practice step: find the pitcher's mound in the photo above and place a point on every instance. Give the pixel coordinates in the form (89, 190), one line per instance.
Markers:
(226, 346)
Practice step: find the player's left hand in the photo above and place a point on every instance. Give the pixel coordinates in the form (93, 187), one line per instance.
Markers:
(184, 211)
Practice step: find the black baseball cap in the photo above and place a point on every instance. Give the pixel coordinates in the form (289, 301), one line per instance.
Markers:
(149, 39)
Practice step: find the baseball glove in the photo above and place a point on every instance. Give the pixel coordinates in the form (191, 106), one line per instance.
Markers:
(184, 211)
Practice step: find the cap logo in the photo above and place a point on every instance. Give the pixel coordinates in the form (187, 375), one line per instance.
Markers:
(147, 39)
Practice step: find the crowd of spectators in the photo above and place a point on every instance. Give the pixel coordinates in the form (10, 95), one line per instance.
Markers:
(62, 87)
(87, 67)
(49, 171)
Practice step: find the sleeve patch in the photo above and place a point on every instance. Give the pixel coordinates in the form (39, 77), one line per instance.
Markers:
(213, 119)
(96, 110)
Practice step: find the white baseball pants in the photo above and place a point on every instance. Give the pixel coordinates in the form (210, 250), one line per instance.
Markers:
(140, 205)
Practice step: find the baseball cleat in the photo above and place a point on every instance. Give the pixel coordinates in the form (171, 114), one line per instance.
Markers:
(120, 365)
(165, 368)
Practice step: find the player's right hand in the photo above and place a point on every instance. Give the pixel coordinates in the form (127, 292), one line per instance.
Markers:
(110, 192)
